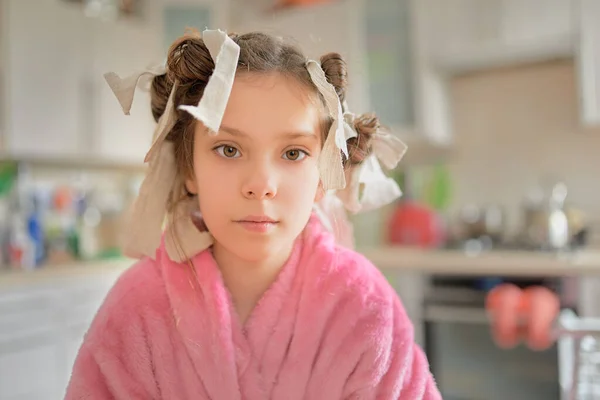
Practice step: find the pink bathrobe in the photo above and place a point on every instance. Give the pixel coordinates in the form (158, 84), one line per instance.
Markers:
(330, 327)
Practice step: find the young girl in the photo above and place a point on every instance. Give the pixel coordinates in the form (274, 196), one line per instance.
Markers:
(252, 298)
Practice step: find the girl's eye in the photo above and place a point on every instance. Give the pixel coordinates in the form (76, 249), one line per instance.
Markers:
(228, 151)
(294, 155)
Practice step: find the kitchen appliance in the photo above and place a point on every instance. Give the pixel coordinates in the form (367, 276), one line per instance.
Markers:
(549, 223)
(484, 223)
(464, 360)
(414, 223)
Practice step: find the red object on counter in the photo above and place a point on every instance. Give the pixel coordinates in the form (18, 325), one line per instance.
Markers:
(415, 224)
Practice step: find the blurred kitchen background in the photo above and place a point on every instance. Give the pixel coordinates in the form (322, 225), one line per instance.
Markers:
(498, 101)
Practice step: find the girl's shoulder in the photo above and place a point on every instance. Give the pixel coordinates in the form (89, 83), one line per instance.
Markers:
(360, 274)
(357, 297)
(138, 289)
(345, 270)
(141, 277)
(350, 278)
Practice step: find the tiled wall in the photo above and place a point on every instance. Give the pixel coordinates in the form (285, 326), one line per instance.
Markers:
(515, 126)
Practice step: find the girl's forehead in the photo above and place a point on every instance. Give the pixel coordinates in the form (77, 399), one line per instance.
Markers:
(270, 104)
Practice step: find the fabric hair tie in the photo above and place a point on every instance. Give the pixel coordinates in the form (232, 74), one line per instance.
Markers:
(161, 186)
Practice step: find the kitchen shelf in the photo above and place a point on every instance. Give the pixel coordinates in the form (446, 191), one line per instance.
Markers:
(69, 162)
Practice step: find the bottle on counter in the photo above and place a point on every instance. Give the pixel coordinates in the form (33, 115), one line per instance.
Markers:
(89, 221)
(21, 248)
(60, 227)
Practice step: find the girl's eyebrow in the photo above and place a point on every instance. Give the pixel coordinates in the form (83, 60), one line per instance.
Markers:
(292, 134)
(233, 131)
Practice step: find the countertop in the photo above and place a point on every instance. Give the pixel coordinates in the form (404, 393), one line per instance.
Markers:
(71, 271)
(491, 263)
(388, 258)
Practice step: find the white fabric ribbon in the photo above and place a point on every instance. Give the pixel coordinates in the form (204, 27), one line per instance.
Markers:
(124, 88)
(330, 161)
(165, 123)
(377, 188)
(160, 186)
(225, 53)
(145, 221)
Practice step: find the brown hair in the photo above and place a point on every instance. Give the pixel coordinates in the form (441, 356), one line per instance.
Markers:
(190, 65)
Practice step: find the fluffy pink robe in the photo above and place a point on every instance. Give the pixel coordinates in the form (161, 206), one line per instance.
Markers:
(330, 327)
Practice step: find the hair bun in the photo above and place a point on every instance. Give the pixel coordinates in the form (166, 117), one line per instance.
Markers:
(189, 59)
(336, 73)
(189, 63)
(359, 147)
(160, 90)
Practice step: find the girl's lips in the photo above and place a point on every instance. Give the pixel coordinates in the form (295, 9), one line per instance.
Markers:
(257, 226)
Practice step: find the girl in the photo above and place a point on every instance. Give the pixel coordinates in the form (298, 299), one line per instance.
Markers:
(252, 298)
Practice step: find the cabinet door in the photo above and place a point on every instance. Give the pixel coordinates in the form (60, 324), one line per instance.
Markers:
(336, 27)
(3, 69)
(45, 59)
(588, 61)
(537, 21)
(389, 54)
(28, 368)
(589, 296)
(30, 350)
(460, 26)
(128, 46)
(124, 48)
(469, 34)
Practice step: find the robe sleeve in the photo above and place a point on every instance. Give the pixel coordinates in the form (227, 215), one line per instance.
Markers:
(393, 366)
(114, 360)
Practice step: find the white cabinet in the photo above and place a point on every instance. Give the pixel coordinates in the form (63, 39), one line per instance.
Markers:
(389, 54)
(34, 362)
(3, 69)
(456, 25)
(431, 98)
(123, 48)
(588, 296)
(55, 100)
(378, 41)
(42, 325)
(29, 346)
(471, 34)
(455, 36)
(45, 73)
(334, 27)
(588, 60)
(411, 287)
(537, 21)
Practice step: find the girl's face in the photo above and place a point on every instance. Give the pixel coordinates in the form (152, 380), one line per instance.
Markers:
(257, 180)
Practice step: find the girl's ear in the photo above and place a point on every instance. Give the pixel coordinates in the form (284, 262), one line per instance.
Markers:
(191, 186)
(320, 192)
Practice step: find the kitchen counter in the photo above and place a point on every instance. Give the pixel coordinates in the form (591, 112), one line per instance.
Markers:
(492, 263)
(387, 258)
(10, 279)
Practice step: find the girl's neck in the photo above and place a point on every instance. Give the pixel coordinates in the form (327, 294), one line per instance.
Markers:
(248, 280)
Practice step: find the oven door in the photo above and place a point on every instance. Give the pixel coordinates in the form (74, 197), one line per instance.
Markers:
(469, 366)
